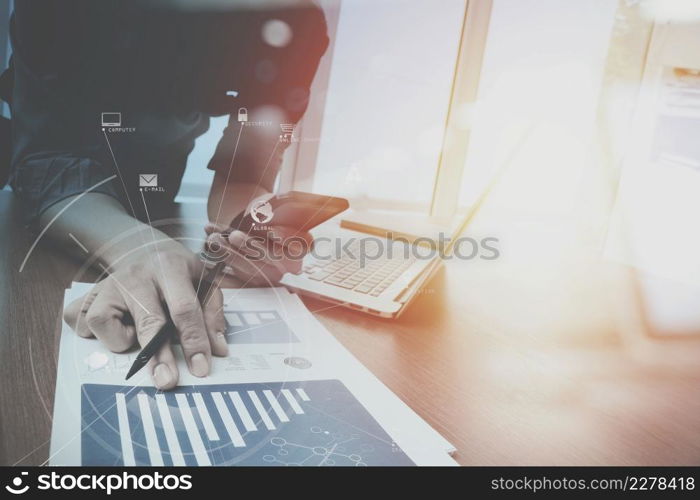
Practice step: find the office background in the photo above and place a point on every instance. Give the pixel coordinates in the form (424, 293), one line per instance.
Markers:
(523, 360)
(390, 120)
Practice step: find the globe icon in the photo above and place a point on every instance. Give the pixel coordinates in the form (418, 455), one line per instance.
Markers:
(261, 212)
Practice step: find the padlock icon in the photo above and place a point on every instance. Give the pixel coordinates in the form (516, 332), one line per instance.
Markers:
(242, 114)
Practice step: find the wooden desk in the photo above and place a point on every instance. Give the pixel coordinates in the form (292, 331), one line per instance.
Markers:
(514, 361)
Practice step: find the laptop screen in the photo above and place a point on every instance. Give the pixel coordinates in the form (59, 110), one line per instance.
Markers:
(387, 100)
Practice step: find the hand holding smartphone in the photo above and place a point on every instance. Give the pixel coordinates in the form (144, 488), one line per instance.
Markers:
(267, 229)
(294, 209)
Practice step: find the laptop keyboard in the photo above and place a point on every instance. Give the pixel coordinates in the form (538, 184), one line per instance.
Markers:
(346, 272)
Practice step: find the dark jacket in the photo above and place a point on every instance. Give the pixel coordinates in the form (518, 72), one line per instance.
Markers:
(166, 71)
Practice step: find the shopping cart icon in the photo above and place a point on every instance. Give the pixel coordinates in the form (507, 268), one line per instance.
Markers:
(287, 131)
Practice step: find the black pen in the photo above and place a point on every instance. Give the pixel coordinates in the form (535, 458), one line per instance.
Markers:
(150, 349)
(242, 222)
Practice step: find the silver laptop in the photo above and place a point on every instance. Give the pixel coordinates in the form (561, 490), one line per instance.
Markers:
(366, 276)
(384, 282)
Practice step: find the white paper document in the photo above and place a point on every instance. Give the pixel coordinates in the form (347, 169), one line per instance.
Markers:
(287, 394)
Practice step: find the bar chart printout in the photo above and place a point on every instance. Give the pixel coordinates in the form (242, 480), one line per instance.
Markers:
(257, 327)
(311, 423)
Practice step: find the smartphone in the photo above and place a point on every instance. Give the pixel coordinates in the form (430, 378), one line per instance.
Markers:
(302, 211)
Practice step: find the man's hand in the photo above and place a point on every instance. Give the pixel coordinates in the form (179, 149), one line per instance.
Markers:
(139, 296)
(261, 260)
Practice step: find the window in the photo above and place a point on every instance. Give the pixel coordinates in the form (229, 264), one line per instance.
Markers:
(5, 49)
(538, 96)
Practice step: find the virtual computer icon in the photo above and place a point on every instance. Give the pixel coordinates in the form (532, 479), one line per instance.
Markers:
(16, 488)
(111, 119)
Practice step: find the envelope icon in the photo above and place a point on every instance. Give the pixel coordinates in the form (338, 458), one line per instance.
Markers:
(148, 180)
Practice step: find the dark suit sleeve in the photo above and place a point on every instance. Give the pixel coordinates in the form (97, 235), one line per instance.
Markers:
(56, 147)
(273, 83)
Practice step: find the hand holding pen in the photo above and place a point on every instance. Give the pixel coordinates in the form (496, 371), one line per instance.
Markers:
(231, 241)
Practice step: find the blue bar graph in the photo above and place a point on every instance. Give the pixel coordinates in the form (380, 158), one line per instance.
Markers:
(310, 423)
